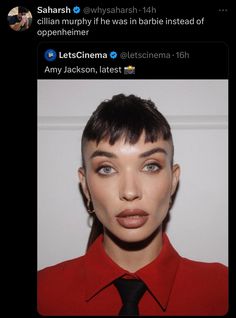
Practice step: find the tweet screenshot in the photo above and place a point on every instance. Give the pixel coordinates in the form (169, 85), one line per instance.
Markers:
(130, 104)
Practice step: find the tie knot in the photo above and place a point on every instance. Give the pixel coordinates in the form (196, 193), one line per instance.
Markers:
(131, 290)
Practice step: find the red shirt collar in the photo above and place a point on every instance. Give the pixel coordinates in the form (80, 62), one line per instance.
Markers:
(159, 275)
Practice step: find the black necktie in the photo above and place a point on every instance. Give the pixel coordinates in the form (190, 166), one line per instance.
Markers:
(131, 291)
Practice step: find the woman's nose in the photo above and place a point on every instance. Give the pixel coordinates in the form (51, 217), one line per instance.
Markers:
(130, 188)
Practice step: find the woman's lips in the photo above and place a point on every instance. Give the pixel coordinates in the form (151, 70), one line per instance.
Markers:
(132, 218)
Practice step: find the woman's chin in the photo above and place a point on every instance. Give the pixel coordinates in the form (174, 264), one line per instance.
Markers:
(133, 237)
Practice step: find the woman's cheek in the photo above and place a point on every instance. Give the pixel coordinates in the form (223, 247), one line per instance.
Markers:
(102, 191)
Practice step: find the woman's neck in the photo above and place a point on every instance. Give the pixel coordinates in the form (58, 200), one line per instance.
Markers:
(133, 256)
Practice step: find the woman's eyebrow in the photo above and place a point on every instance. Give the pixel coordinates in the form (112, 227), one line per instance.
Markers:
(152, 151)
(101, 153)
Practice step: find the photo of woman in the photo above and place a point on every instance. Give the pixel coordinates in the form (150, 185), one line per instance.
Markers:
(129, 180)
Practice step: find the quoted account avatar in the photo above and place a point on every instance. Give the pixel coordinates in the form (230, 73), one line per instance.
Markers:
(129, 178)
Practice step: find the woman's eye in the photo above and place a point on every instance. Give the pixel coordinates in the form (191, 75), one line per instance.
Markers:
(151, 167)
(105, 170)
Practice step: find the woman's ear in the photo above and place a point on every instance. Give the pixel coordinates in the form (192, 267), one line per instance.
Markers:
(82, 178)
(175, 177)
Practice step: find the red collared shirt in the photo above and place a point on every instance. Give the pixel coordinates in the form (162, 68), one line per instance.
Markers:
(176, 285)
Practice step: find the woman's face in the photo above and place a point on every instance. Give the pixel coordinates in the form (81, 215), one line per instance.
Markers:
(129, 185)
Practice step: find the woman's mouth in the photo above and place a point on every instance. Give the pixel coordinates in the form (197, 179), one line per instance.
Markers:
(132, 218)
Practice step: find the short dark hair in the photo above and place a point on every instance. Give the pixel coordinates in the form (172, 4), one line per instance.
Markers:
(127, 117)
(22, 9)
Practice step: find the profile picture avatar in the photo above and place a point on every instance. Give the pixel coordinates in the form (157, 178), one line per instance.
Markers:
(19, 18)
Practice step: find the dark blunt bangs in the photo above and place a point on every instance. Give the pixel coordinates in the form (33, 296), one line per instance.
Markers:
(126, 117)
